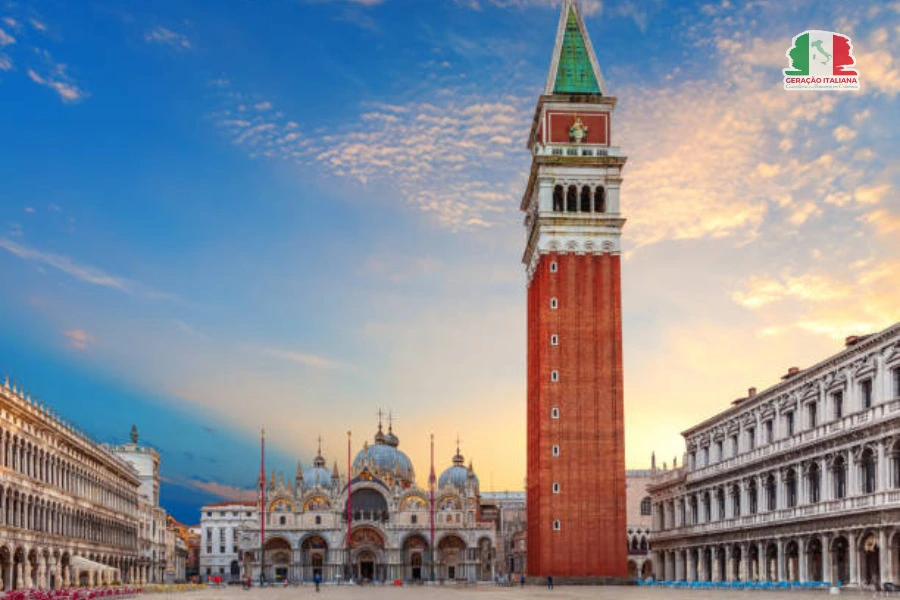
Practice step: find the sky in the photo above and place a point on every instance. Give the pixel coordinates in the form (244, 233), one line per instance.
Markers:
(215, 216)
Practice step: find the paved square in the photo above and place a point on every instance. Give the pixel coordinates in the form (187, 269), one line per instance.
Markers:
(488, 592)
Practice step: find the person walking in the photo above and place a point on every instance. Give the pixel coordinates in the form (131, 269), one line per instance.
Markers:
(317, 579)
(522, 580)
(549, 582)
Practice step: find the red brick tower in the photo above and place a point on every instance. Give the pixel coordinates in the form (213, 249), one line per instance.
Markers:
(576, 447)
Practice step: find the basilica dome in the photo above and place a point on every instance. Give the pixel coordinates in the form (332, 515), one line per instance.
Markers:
(384, 458)
(458, 475)
(318, 474)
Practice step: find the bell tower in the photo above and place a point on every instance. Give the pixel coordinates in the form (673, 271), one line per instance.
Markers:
(576, 448)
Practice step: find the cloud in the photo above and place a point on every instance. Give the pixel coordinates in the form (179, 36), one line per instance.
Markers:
(842, 133)
(223, 491)
(58, 80)
(79, 339)
(6, 39)
(884, 221)
(81, 272)
(167, 37)
(871, 194)
(5, 63)
(308, 360)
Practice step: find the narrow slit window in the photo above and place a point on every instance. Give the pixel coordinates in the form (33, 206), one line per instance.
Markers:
(554, 340)
(554, 375)
(554, 413)
(554, 303)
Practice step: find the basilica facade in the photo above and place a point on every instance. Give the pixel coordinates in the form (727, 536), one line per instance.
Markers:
(390, 533)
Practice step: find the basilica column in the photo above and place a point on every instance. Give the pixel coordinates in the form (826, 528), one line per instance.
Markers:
(41, 572)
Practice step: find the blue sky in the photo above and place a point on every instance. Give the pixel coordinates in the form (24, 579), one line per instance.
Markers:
(214, 216)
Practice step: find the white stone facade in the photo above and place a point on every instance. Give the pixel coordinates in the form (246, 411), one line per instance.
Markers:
(69, 507)
(639, 520)
(220, 527)
(800, 482)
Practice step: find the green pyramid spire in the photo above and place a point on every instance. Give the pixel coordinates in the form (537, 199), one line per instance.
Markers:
(575, 73)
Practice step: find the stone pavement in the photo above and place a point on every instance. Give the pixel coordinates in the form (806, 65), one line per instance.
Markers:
(490, 592)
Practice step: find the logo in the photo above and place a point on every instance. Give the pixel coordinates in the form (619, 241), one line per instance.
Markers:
(821, 60)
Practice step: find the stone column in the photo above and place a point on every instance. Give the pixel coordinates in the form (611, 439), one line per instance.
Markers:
(780, 561)
(884, 558)
(679, 564)
(41, 572)
(20, 576)
(691, 565)
(826, 558)
(729, 567)
(716, 573)
(853, 559)
(801, 559)
(881, 472)
(747, 567)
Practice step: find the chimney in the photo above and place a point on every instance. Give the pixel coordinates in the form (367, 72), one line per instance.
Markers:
(791, 372)
(851, 340)
(751, 392)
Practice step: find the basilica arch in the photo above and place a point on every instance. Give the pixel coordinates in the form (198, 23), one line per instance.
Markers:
(313, 557)
(451, 557)
(367, 554)
(415, 557)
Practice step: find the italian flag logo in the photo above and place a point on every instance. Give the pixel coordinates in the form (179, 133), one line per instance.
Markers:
(821, 60)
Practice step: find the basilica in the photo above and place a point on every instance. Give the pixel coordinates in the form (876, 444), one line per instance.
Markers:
(392, 531)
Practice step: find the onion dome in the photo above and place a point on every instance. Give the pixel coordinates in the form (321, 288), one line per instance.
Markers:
(318, 474)
(383, 458)
(390, 439)
(456, 475)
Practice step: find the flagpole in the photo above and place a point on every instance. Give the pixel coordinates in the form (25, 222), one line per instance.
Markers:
(349, 508)
(262, 507)
(431, 514)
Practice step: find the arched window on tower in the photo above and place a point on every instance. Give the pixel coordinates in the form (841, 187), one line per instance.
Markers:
(586, 199)
(572, 199)
(558, 198)
(600, 199)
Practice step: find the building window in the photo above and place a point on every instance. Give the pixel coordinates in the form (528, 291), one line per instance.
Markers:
(693, 459)
(318, 520)
(554, 303)
(557, 525)
(812, 410)
(234, 550)
(705, 455)
(555, 487)
(645, 506)
(751, 438)
(752, 497)
(414, 519)
(221, 570)
(790, 488)
(209, 535)
(554, 267)
(865, 393)
(554, 413)
(839, 475)
(814, 483)
(281, 520)
(554, 340)
(736, 501)
(895, 372)
(837, 401)
(209, 514)
(734, 445)
(769, 428)
(868, 471)
(221, 549)
(209, 549)
(555, 450)
(789, 423)
(554, 375)
(771, 493)
(248, 514)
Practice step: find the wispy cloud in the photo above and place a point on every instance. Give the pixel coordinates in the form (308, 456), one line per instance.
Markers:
(85, 273)
(167, 37)
(308, 360)
(60, 82)
(79, 339)
(6, 39)
(223, 491)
